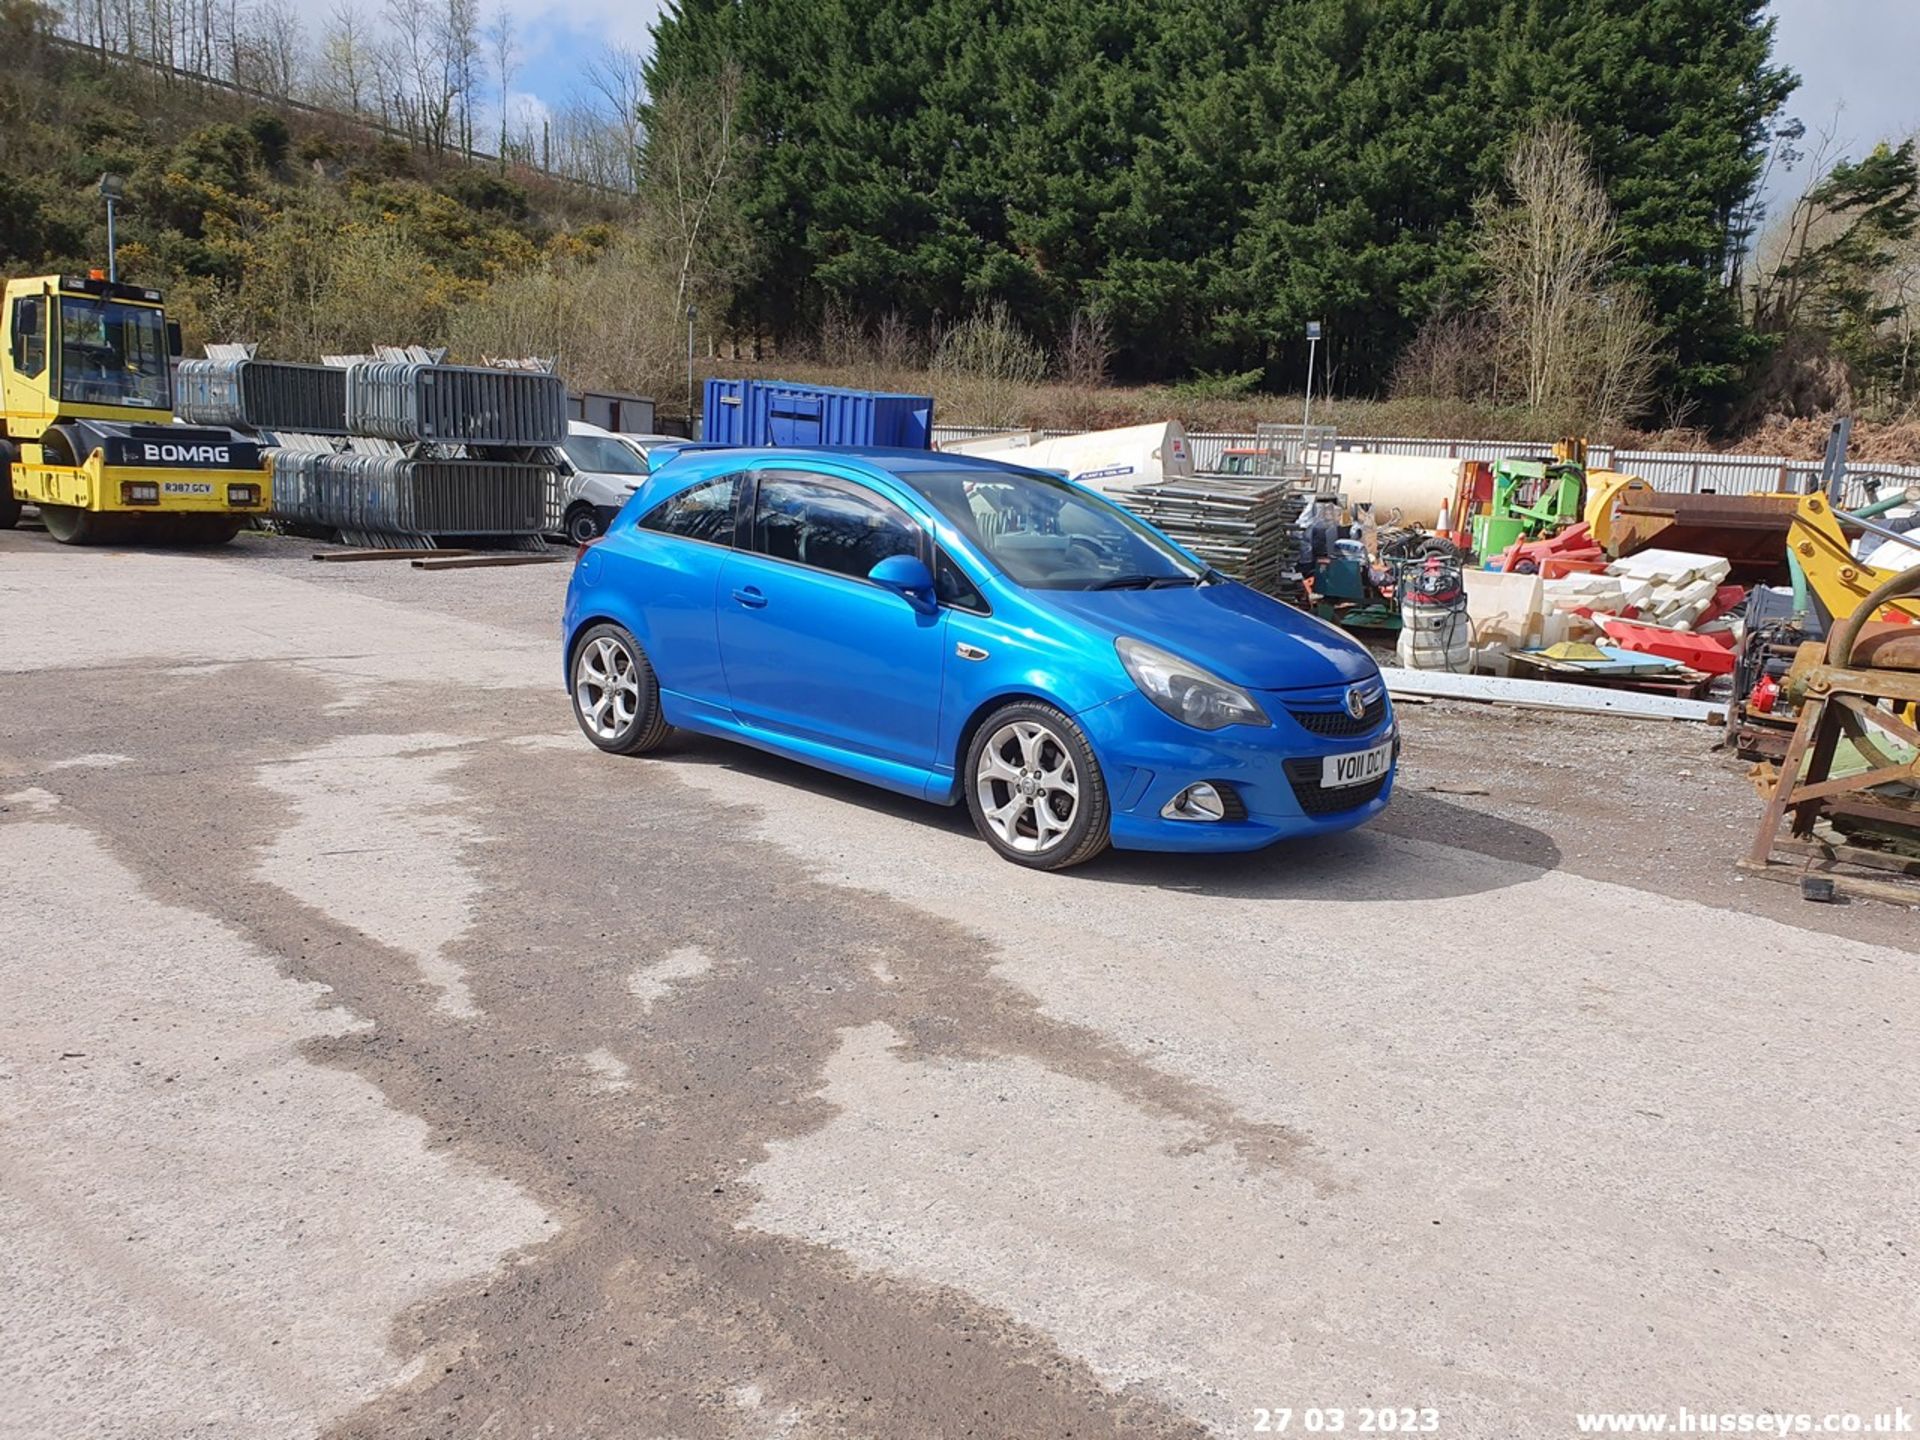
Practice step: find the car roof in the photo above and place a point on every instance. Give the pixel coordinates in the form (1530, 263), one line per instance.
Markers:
(898, 463)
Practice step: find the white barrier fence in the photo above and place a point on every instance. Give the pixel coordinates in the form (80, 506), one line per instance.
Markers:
(1698, 472)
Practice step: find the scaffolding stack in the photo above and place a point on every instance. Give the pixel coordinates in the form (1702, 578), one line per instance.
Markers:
(1248, 525)
(1244, 526)
(396, 451)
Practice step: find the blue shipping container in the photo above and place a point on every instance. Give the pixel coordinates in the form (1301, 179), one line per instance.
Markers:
(775, 412)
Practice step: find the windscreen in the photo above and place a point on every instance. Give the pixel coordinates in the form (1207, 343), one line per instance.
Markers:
(1049, 535)
(112, 354)
(602, 455)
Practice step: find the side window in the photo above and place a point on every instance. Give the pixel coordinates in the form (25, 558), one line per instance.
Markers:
(829, 524)
(30, 334)
(700, 512)
(952, 587)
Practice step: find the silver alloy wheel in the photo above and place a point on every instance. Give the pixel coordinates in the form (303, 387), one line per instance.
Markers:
(606, 687)
(1027, 786)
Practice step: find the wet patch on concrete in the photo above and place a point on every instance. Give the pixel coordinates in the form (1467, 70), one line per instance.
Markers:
(206, 1234)
(651, 1303)
(374, 839)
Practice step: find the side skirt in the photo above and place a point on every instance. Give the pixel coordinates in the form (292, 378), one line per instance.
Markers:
(705, 718)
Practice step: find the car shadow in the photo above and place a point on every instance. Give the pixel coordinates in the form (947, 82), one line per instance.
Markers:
(1467, 852)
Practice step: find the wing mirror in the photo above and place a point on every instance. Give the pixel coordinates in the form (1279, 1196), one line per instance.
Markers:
(908, 577)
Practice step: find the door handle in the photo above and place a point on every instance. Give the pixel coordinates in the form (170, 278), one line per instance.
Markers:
(750, 597)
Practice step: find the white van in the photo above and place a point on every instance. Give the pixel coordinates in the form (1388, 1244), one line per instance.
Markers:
(596, 473)
(1111, 461)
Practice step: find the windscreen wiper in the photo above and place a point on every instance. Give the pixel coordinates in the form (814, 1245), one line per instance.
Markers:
(1125, 582)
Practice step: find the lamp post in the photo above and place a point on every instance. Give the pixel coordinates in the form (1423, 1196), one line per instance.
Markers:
(1313, 344)
(692, 315)
(112, 189)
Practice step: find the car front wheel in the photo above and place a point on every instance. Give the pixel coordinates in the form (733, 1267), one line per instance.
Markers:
(1035, 790)
(616, 696)
(583, 524)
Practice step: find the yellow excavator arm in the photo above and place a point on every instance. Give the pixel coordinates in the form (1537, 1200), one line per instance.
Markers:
(1836, 579)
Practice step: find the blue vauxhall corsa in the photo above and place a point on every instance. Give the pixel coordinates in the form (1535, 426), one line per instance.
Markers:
(962, 630)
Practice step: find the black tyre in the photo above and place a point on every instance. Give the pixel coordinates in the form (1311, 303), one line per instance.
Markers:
(1034, 788)
(71, 525)
(199, 531)
(616, 696)
(583, 524)
(9, 507)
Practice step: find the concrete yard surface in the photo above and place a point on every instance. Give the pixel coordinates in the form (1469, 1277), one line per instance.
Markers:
(379, 1059)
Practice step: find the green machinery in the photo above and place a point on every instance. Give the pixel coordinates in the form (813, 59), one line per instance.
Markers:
(1532, 498)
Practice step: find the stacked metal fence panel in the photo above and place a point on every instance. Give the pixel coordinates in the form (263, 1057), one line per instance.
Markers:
(1245, 526)
(394, 494)
(455, 404)
(262, 395)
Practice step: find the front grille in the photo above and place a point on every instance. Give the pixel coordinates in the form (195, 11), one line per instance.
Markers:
(1315, 799)
(1338, 724)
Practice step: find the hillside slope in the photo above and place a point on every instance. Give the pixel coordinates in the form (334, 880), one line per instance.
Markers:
(304, 232)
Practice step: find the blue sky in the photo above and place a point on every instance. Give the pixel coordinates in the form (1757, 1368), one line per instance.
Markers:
(555, 39)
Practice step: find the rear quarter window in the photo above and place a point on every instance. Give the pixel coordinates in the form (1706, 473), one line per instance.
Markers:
(703, 511)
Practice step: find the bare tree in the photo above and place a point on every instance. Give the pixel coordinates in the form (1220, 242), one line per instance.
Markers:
(987, 367)
(346, 58)
(269, 48)
(503, 46)
(1550, 252)
(1620, 339)
(618, 76)
(692, 160)
(1086, 356)
(458, 42)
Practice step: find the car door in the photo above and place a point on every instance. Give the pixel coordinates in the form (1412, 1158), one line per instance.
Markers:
(669, 565)
(814, 650)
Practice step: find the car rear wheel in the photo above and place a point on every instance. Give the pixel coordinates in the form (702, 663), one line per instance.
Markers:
(616, 696)
(583, 524)
(1034, 789)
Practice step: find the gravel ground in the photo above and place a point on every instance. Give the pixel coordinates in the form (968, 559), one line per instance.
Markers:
(380, 1060)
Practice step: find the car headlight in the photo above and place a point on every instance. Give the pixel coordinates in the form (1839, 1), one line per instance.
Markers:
(1190, 694)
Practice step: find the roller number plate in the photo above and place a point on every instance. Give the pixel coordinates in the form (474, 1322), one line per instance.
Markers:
(1339, 771)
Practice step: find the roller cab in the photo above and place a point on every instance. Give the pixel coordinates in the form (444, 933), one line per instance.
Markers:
(88, 401)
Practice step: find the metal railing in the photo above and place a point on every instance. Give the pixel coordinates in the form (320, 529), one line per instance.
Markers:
(262, 395)
(1697, 472)
(455, 404)
(396, 495)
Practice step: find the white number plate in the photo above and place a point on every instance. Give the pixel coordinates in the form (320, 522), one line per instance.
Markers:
(185, 487)
(1355, 769)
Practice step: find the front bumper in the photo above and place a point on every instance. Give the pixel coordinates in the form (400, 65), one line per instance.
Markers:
(1147, 758)
(98, 487)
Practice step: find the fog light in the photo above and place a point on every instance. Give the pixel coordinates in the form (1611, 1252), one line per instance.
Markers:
(243, 495)
(139, 492)
(1196, 802)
